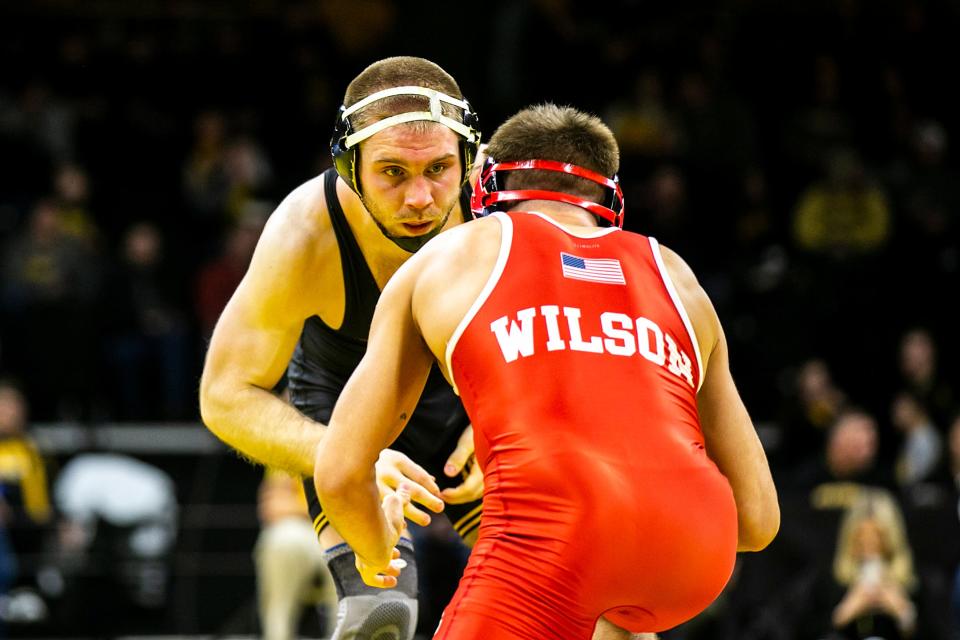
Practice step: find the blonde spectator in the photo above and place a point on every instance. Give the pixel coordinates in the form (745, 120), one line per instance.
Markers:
(874, 563)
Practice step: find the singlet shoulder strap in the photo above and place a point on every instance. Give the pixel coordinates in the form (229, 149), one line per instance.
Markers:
(360, 288)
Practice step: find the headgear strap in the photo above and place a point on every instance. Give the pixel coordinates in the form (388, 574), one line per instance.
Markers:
(435, 114)
(487, 192)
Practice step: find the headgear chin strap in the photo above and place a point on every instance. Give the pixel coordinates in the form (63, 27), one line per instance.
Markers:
(412, 244)
(488, 193)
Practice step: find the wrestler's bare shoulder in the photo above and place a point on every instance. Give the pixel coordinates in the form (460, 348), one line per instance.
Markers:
(695, 300)
(300, 228)
(465, 247)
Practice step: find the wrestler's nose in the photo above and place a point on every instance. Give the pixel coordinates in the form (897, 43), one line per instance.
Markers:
(419, 194)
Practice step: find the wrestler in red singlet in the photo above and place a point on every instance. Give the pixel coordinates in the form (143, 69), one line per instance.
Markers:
(579, 369)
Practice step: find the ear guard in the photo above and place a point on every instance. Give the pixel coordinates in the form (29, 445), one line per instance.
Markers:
(487, 193)
(344, 141)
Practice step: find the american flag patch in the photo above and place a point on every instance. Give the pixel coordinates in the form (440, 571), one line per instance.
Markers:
(606, 270)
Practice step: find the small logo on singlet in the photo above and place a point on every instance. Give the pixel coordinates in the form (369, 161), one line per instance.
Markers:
(605, 270)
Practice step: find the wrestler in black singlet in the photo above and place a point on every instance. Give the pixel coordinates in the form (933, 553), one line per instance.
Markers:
(325, 358)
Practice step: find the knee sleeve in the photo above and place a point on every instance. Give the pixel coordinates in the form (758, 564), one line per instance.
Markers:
(368, 613)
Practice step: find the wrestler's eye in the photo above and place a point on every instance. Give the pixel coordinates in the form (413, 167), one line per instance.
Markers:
(437, 169)
(393, 172)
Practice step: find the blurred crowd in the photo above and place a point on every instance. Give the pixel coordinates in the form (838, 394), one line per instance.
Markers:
(800, 158)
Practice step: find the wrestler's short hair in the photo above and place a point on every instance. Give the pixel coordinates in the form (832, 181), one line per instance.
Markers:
(562, 134)
(400, 71)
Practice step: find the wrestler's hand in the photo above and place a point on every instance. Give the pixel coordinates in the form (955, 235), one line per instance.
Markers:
(463, 461)
(393, 505)
(394, 468)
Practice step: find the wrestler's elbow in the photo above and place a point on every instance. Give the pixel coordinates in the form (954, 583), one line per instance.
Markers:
(328, 483)
(335, 475)
(759, 526)
(215, 405)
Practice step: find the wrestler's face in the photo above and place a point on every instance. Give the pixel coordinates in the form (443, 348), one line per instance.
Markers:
(410, 177)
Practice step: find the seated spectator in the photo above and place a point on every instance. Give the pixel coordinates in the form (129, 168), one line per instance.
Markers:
(147, 330)
(922, 447)
(291, 571)
(920, 374)
(219, 279)
(812, 410)
(49, 283)
(643, 123)
(72, 188)
(845, 215)
(24, 501)
(848, 464)
(874, 563)
(953, 444)
(824, 487)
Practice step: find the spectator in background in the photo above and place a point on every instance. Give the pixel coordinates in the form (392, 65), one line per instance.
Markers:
(810, 413)
(248, 173)
(72, 193)
(719, 137)
(848, 464)
(50, 281)
(205, 182)
(841, 225)
(222, 174)
(217, 280)
(920, 376)
(844, 216)
(953, 452)
(147, 343)
(925, 186)
(24, 500)
(665, 207)
(822, 125)
(755, 224)
(46, 119)
(291, 571)
(922, 447)
(874, 563)
(643, 124)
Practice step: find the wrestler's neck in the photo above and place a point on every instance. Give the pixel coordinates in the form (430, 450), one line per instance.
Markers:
(566, 215)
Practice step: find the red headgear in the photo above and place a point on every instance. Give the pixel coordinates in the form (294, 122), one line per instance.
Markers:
(487, 194)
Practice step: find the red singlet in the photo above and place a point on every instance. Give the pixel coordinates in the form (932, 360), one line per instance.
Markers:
(579, 369)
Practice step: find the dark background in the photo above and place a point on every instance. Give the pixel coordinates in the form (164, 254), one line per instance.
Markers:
(144, 142)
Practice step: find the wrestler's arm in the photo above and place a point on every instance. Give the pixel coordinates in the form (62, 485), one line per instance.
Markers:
(370, 413)
(730, 437)
(252, 344)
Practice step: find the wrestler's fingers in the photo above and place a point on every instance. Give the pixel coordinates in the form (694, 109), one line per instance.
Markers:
(378, 580)
(394, 467)
(394, 568)
(469, 490)
(385, 582)
(419, 476)
(416, 516)
(461, 454)
(421, 495)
